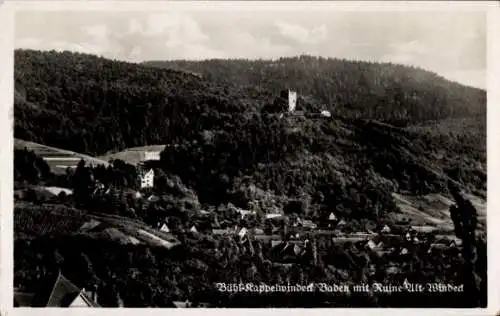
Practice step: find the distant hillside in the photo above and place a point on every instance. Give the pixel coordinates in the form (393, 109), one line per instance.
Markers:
(383, 91)
(93, 105)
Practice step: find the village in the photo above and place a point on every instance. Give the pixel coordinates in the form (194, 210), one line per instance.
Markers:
(292, 238)
(285, 238)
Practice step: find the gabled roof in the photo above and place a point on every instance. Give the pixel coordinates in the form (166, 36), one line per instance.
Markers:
(58, 293)
(165, 228)
(242, 232)
(386, 229)
(153, 198)
(86, 300)
(180, 304)
(88, 226)
(63, 293)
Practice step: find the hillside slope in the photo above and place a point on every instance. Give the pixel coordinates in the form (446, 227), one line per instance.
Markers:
(93, 105)
(225, 144)
(383, 91)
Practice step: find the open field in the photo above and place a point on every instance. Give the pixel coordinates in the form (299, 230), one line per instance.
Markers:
(58, 159)
(431, 212)
(133, 155)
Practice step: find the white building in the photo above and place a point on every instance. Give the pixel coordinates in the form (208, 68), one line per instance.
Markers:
(326, 113)
(151, 155)
(371, 244)
(332, 217)
(147, 179)
(164, 228)
(292, 100)
(242, 232)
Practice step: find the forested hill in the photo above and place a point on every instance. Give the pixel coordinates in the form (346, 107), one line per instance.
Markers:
(393, 93)
(229, 150)
(93, 105)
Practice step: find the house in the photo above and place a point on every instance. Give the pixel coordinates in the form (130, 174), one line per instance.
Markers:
(392, 270)
(147, 179)
(386, 229)
(332, 217)
(244, 212)
(273, 215)
(331, 220)
(309, 224)
(258, 231)
(181, 304)
(164, 228)
(222, 231)
(57, 293)
(326, 113)
(342, 223)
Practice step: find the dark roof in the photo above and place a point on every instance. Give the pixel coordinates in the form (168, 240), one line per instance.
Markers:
(55, 292)
(63, 293)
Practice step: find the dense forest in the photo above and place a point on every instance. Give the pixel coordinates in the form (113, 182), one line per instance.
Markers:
(392, 129)
(388, 92)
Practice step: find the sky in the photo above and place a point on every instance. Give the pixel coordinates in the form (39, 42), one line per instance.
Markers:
(450, 43)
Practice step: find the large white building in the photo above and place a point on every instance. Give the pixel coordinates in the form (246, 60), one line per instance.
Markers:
(151, 155)
(147, 179)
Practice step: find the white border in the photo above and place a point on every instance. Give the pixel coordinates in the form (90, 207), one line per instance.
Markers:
(6, 101)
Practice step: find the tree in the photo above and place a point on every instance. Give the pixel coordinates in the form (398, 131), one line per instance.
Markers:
(82, 184)
(464, 216)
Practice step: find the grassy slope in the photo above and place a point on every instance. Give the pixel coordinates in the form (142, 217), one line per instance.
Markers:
(52, 152)
(31, 221)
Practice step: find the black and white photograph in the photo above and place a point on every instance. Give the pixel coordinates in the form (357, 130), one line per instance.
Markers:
(258, 155)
